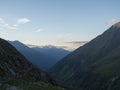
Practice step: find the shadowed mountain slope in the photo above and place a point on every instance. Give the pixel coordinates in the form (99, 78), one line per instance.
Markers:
(93, 66)
(16, 70)
(44, 57)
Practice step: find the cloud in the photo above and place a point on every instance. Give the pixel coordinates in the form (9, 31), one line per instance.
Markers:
(77, 42)
(74, 44)
(5, 25)
(23, 20)
(11, 27)
(15, 26)
(70, 46)
(67, 48)
(39, 30)
(112, 21)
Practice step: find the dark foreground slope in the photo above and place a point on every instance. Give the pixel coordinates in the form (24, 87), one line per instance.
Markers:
(16, 70)
(94, 66)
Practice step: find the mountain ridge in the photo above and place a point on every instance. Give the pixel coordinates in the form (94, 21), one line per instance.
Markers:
(84, 67)
(42, 57)
(17, 73)
(12, 63)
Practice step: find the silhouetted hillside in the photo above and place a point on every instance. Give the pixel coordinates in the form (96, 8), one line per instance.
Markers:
(17, 73)
(94, 66)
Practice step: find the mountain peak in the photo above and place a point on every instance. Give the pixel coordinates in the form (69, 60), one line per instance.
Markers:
(117, 25)
(114, 29)
(85, 67)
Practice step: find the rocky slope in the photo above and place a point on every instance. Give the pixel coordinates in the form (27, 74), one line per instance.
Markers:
(94, 65)
(17, 71)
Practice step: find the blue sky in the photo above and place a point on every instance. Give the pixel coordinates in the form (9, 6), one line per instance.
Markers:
(56, 22)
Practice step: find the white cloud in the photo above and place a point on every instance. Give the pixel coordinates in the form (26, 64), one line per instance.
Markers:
(11, 27)
(74, 44)
(4, 25)
(112, 21)
(15, 26)
(23, 20)
(39, 30)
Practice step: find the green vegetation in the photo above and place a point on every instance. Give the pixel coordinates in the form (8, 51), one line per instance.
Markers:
(30, 86)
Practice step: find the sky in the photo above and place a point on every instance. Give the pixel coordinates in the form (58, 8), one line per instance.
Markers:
(63, 23)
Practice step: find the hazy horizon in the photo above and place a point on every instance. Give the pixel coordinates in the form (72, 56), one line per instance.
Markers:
(64, 23)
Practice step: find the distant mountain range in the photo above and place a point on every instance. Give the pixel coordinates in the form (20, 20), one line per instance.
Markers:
(43, 57)
(94, 66)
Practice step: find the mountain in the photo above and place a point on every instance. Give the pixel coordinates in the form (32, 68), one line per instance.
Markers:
(37, 58)
(52, 51)
(43, 57)
(17, 73)
(94, 66)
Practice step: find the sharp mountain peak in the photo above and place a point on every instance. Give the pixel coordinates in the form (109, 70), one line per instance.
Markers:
(117, 25)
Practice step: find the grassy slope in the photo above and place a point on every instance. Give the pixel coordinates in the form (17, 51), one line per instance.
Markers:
(31, 86)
